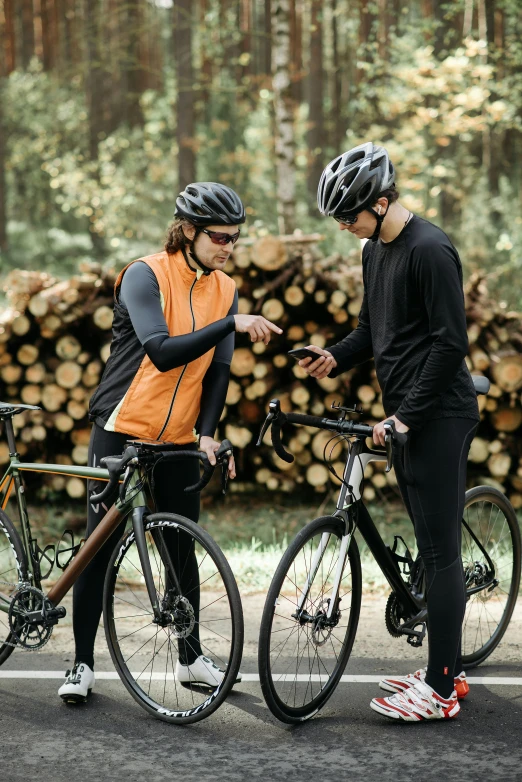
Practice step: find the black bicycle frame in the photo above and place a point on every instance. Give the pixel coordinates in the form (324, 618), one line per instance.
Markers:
(352, 509)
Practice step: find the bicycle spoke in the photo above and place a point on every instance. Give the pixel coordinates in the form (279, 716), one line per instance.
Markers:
(199, 621)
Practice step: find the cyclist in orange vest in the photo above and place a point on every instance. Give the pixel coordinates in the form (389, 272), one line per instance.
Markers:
(175, 315)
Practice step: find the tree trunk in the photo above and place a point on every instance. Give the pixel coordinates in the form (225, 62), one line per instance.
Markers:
(267, 38)
(284, 115)
(206, 62)
(245, 23)
(8, 37)
(95, 84)
(71, 51)
(296, 35)
(27, 30)
(185, 102)
(493, 138)
(134, 72)
(49, 34)
(3, 184)
(316, 130)
(4, 64)
(365, 34)
(338, 129)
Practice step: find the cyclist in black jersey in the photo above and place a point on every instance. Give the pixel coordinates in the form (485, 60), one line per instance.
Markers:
(175, 314)
(412, 322)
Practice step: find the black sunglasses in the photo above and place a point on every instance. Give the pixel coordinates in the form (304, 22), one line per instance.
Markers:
(220, 237)
(348, 220)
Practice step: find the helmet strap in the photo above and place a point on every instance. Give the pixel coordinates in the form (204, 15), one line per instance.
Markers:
(190, 243)
(380, 220)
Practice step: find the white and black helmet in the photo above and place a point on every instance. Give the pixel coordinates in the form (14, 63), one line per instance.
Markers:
(353, 181)
(210, 203)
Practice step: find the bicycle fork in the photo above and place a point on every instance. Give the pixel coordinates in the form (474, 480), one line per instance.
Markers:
(316, 562)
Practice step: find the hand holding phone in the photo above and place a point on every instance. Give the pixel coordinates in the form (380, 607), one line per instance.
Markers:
(315, 361)
(300, 353)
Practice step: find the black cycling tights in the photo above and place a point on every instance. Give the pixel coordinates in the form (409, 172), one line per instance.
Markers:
(431, 472)
(170, 481)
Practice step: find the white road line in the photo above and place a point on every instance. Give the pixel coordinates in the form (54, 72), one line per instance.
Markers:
(514, 681)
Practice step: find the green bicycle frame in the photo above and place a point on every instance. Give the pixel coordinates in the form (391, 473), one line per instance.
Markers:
(135, 498)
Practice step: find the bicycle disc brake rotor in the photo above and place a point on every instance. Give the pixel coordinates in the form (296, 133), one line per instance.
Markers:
(322, 626)
(183, 619)
(29, 631)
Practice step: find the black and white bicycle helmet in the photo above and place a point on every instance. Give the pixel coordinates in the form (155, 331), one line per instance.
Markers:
(210, 203)
(353, 181)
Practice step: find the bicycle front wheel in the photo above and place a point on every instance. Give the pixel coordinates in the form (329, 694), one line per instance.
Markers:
(12, 570)
(491, 552)
(206, 616)
(303, 645)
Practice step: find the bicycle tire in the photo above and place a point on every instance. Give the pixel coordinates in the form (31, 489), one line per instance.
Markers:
(182, 708)
(12, 562)
(273, 684)
(507, 567)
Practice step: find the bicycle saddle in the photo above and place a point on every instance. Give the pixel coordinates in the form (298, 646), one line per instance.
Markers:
(8, 410)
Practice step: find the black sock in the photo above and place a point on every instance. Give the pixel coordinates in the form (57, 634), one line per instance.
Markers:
(86, 660)
(441, 683)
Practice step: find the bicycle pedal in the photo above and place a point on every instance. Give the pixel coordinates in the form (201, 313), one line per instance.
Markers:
(416, 637)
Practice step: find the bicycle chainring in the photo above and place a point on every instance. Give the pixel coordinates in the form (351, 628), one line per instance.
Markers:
(29, 635)
(392, 616)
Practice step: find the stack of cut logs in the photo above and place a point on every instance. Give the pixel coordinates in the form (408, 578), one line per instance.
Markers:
(55, 337)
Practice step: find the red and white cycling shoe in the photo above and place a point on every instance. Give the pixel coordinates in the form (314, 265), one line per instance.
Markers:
(401, 683)
(419, 702)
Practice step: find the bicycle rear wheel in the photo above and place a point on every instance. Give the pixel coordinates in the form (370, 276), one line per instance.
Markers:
(145, 653)
(302, 652)
(491, 552)
(12, 570)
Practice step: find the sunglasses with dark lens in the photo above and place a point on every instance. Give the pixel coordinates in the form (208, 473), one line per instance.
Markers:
(348, 220)
(220, 237)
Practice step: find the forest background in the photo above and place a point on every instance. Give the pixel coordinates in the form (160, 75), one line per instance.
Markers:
(109, 107)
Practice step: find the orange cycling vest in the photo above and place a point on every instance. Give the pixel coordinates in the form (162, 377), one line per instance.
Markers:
(147, 403)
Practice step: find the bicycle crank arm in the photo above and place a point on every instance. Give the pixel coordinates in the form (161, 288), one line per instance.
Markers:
(415, 637)
(52, 616)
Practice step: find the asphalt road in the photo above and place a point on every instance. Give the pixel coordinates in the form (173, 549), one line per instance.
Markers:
(111, 738)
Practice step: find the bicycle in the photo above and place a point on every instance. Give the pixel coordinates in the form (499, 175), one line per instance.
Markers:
(312, 607)
(142, 584)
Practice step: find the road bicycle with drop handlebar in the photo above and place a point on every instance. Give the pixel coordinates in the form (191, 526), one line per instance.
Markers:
(313, 604)
(152, 610)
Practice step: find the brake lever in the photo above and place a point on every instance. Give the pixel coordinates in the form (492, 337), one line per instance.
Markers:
(266, 425)
(223, 454)
(224, 477)
(388, 442)
(392, 434)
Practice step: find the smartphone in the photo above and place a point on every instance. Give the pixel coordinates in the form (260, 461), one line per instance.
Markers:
(300, 353)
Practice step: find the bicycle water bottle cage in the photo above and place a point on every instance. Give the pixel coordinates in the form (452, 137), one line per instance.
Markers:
(46, 560)
(66, 549)
(406, 560)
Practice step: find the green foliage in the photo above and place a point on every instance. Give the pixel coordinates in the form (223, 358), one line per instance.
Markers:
(451, 119)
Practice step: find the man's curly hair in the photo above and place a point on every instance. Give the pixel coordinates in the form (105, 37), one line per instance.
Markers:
(176, 239)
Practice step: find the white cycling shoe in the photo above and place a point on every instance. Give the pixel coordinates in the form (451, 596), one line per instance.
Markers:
(78, 684)
(202, 672)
